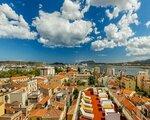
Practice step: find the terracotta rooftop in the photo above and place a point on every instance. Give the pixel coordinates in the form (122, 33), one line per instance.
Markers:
(129, 105)
(38, 112)
(44, 85)
(55, 84)
(51, 113)
(72, 107)
(20, 78)
(136, 100)
(58, 77)
(148, 107)
(54, 113)
(59, 104)
(44, 100)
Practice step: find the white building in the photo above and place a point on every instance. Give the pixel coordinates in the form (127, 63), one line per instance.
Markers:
(111, 71)
(47, 71)
(32, 86)
(19, 95)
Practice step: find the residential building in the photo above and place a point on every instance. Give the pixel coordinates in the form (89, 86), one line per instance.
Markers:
(128, 82)
(146, 110)
(18, 95)
(2, 108)
(47, 71)
(143, 81)
(111, 71)
(19, 79)
(43, 114)
(32, 86)
(95, 105)
(15, 115)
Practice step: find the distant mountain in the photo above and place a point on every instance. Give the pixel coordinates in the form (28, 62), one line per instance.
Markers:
(136, 63)
(20, 63)
(140, 62)
(57, 63)
(90, 62)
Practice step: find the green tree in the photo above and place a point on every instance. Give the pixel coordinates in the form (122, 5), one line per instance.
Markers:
(58, 70)
(75, 93)
(79, 70)
(91, 80)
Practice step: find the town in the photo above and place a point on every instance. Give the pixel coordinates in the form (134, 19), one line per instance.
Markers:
(73, 92)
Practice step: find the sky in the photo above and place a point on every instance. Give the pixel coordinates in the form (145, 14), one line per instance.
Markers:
(74, 30)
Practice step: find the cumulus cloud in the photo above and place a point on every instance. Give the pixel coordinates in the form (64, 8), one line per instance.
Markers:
(119, 33)
(56, 31)
(72, 10)
(13, 25)
(125, 5)
(148, 24)
(100, 45)
(113, 14)
(138, 46)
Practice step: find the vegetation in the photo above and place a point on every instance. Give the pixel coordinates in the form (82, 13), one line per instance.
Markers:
(79, 82)
(75, 93)
(92, 80)
(58, 70)
(141, 92)
(67, 82)
(19, 72)
(79, 70)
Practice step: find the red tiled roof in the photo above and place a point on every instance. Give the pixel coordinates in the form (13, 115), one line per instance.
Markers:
(38, 113)
(129, 105)
(44, 100)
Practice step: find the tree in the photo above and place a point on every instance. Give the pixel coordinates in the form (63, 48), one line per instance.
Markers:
(58, 70)
(75, 93)
(79, 70)
(91, 80)
(79, 82)
(6, 98)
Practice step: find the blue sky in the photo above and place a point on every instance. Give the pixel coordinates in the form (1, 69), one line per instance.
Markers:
(46, 40)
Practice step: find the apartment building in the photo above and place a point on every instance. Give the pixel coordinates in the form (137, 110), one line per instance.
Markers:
(47, 71)
(96, 105)
(143, 81)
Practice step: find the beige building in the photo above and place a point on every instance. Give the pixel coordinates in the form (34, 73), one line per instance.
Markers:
(13, 116)
(111, 71)
(47, 71)
(32, 86)
(19, 79)
(128, 83)
(143, 81)
(18, 95)
(2, 108)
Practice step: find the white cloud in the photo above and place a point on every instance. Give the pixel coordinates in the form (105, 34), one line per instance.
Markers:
(96, 31)
(13, 25)
(56, 31)
(138, 46)
(100, 45)
(114, 14)
(72, 10)
(148, 24)
(127, 19)
(131, 5)
(121, 32)
(118, 35)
